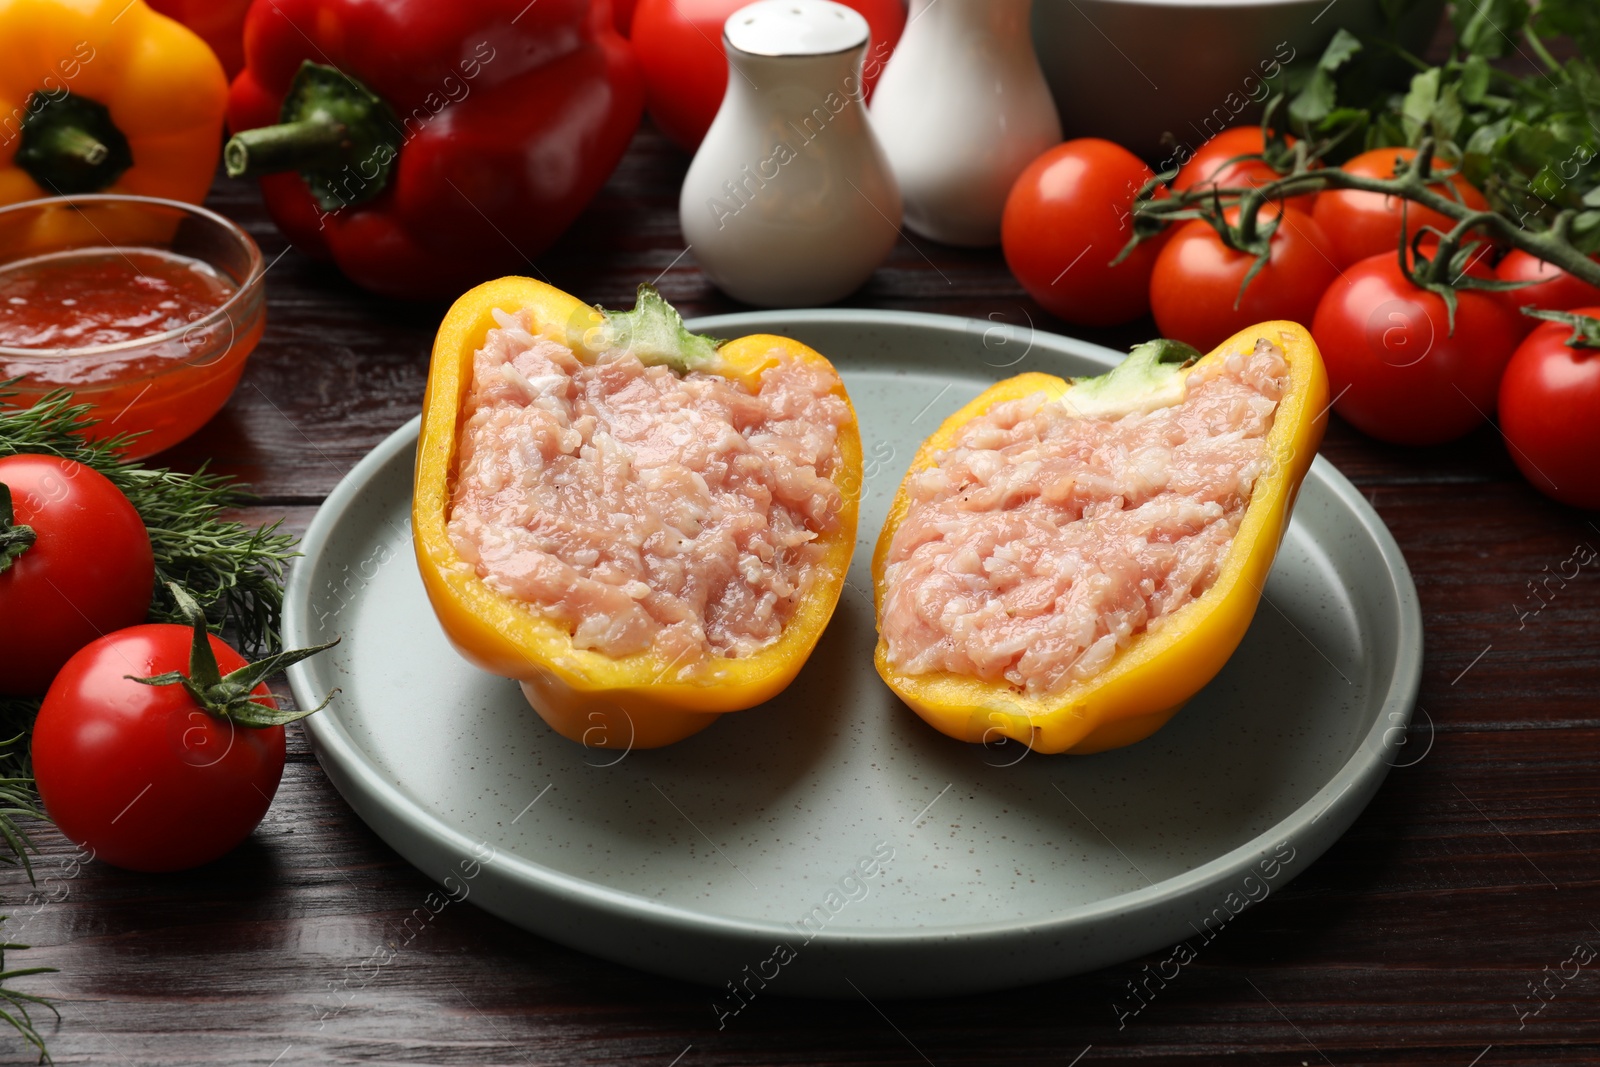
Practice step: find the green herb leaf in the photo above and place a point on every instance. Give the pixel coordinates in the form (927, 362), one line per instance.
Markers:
(1489, 27)
(1416, 110)
(1475, 80)
(1313, 103)
(1577, 19)
(1344, 45)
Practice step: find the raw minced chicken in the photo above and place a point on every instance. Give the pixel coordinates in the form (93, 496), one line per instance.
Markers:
(1040, 543)
(640, 508)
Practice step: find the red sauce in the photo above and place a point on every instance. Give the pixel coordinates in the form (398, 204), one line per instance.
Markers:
(98, 296)
(57, 310)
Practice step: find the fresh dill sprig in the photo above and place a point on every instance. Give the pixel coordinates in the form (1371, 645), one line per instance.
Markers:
(17, 794)
(234, 571)
(18, 798)
(16, 1003)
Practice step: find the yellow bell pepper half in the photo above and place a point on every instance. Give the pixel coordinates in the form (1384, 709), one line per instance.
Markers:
(105, 96)
(1149, 680)
(635, 701)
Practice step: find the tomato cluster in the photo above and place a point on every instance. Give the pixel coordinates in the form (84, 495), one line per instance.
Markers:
(1403, 365)
(153, 777)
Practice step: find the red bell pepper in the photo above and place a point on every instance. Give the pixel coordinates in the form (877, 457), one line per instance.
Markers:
(425, 146)
(220, 23)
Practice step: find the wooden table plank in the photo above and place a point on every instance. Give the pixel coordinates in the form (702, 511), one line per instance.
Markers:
(1413, 941)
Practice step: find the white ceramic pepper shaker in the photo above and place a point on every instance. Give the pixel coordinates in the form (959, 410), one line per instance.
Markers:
(962, 108)
(789, 200)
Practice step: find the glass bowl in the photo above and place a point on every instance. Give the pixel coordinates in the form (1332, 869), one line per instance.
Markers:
(163, 386)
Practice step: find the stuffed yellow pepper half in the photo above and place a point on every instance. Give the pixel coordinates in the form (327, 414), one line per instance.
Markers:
(646, 528)
(1068, 562)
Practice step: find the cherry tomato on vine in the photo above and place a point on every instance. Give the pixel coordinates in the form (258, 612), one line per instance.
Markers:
(1214, 164)
(679, 45)
(1361, 224)
(1396, 371)
(1197, 279)
(173, 769)
(78, 564)
(1555, 289)
(1066, 219)
(1550, 412)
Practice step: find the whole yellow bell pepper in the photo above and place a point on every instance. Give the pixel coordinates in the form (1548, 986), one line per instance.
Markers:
(602, 701)
(105, 96)
(1149, 680)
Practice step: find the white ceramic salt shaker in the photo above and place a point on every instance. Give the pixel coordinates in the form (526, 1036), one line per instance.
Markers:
(789, 200)
(961, 109)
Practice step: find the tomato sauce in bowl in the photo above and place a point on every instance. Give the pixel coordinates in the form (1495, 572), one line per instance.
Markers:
(144, 309)
(87, 297)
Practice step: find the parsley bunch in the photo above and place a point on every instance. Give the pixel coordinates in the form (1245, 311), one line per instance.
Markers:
(1528, 141)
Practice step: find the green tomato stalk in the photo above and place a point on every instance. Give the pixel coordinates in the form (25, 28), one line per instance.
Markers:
(14, 539)
(230, 696)
(1585, 329)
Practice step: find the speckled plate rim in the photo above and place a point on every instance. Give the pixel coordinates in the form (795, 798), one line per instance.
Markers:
(1313, 826)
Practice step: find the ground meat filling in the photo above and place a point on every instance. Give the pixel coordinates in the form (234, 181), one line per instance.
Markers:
(1040, 543)
(640, 508)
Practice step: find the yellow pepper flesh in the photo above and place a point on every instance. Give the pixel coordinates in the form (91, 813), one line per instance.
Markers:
(1149, 680)
(163, 86)
(601, 701)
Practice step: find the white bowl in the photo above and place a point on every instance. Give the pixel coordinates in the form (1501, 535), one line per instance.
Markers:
(1131, 70)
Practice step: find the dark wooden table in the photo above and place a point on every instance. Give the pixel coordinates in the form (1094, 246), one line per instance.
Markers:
(1419, 938)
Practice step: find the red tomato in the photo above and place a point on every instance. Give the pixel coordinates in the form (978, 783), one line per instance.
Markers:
(1361, 224)
(1396, 371)
(1556, 289)
(141, 774)
(679, 45)
(1210, 165)
(1065, 221)
(1197, 279)
(1550, 413)
(89, 570)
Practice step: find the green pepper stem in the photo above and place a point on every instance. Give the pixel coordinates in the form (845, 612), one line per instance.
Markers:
(654, 332)
(308, 144)
(70, 145)
(334, 131)
(70, 142)
(1151, 376)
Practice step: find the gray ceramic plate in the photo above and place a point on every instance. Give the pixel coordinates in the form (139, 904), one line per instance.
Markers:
(830, 843)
